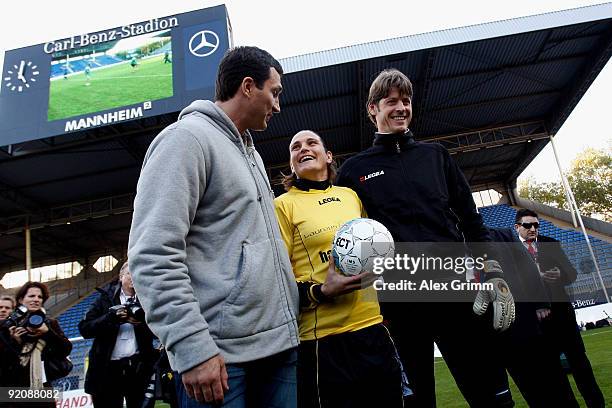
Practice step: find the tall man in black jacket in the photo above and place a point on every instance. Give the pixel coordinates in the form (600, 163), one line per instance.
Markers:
(121, 357)
(418, 192)
(560, 328)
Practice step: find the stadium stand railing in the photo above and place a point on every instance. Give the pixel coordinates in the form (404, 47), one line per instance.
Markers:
(69, 321)
(66, 292)
(70, 300)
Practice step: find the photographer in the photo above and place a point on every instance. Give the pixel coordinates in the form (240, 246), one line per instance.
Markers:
(35, 340)
(7, 304)
(121, 357)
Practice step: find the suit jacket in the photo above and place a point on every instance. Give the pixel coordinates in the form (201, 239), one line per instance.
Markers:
(523, 278)
(550, 255)
(520, 271)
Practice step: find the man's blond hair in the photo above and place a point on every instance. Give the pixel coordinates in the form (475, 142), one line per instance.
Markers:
(124, 269)
(8, 298)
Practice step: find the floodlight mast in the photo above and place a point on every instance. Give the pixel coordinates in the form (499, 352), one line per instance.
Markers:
(574, 207)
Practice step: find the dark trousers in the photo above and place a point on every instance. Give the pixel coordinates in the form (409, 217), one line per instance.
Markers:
(561, 332)
(585, 379)
(537, 372)
(124, 380)
(349, 370)
(464, 340)
(532, 361)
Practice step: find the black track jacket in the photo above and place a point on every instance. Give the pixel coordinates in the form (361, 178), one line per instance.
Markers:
(415, 189)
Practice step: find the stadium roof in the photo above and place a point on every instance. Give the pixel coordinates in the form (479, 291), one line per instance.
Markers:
(491, 93)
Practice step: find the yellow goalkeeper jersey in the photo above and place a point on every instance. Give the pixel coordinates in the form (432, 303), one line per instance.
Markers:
(308, 222)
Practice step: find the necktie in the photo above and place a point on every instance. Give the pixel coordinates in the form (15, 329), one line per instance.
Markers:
(532, 251)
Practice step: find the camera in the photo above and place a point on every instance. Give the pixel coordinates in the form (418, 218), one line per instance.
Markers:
(15, 318)
(132, 307)
(21, 317)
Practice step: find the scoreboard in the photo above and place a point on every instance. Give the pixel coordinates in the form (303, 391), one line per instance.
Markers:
(124, 73)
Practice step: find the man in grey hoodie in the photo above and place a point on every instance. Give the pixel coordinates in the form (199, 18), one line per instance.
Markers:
(205, 250)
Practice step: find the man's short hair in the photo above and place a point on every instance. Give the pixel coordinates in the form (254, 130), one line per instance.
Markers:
(383, 84)
(8, 299)
(239, 63)
(27, 286)
(524, 212)
(124, 269)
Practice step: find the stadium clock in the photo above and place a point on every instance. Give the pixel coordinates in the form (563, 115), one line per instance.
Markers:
(20, 76)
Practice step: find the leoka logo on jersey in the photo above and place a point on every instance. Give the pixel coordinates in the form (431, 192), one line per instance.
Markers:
(328, 200)
(372, 175)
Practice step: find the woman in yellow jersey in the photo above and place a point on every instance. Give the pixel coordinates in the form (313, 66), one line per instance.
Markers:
(346, 357)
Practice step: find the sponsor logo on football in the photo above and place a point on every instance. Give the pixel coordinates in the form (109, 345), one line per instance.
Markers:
(328, 200)
(372, 175)
(343, 243)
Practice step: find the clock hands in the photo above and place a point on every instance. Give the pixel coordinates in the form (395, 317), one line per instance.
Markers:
(20, 73)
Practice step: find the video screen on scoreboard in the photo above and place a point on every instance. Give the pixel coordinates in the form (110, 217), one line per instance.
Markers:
(111, 74)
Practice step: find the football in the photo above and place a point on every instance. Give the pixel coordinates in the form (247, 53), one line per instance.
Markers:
(358, 242)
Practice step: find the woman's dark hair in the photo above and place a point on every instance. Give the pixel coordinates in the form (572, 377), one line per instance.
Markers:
(239, 63)
(332, 169)
(26, 286)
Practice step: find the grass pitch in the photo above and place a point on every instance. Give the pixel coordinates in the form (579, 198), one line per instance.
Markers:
(110, 87)
(598, 344)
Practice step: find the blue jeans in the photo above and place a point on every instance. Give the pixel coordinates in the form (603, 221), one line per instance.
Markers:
(266, 383)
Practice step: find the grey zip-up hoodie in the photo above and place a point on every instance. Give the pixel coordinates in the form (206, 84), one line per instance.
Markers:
(205, 251)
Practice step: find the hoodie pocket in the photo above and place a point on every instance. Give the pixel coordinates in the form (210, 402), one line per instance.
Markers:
(254, 303)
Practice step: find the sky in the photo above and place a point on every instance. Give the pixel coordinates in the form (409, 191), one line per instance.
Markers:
(290, 27)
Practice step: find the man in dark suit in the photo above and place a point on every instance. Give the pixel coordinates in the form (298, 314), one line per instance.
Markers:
(122, 356)
(532, 363)
(560, 328)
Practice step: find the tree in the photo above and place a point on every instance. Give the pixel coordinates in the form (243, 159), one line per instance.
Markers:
(589, 176)
(546, 193)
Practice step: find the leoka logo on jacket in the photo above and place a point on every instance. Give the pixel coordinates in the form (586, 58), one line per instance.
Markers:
(372, 175)
(328, 200)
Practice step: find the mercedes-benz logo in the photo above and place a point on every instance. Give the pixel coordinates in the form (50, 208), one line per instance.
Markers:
(203, 43)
